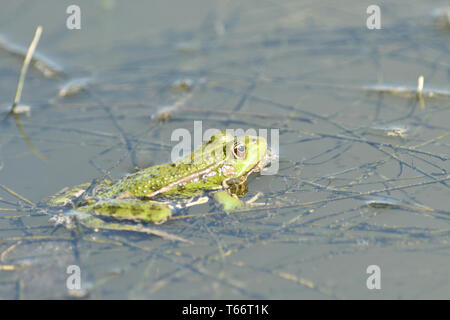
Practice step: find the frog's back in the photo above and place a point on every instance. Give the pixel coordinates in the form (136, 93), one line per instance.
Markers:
(179, 179)
(197, 171)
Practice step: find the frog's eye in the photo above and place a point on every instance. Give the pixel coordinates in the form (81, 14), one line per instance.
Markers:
(239, 150)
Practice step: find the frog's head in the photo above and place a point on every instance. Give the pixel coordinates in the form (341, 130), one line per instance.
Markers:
(235, 157)
(242, 155)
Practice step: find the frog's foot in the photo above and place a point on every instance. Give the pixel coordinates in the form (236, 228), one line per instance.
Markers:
(236, 187)
(97, 223)
(131, 209)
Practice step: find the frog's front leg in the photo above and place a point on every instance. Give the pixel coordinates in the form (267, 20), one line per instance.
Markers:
(229, 199)
(131, 209)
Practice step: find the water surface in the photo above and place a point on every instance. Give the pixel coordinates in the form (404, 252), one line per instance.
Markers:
(363, 171)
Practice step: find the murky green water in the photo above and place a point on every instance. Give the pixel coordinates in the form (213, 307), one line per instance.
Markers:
(364, 173)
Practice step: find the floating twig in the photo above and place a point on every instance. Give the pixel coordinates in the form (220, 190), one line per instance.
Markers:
(165, 113)
(24, 69)
(9, 249)
(18, 109)
(73, 87)
(15, 194)
(391, 203)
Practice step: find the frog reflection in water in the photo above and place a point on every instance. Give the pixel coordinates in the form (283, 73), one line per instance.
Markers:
(221, 165)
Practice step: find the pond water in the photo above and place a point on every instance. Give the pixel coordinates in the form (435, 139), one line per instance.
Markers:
(363, 175)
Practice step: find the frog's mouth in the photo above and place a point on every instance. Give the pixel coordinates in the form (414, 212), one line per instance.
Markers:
(258, 167)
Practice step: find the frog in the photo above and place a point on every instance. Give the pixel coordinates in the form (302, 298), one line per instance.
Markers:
(219, 167)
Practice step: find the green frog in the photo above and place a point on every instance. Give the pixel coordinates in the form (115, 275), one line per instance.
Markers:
(220, 166)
